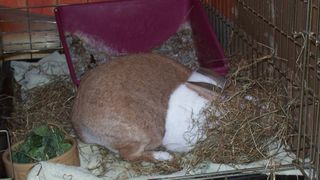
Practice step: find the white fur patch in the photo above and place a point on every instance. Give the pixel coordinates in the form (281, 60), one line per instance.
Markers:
(185, 106)
(162, 156)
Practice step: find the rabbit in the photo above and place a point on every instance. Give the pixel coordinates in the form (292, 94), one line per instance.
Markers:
(137, 103)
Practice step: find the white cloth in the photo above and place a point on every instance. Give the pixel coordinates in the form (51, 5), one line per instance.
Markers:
(90, 158)
(52, 171)
(30, 75)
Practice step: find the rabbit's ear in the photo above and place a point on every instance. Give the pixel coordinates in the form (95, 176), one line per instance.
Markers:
(221, 81)
(205, 90)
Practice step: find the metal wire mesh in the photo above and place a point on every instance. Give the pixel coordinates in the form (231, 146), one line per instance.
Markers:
(28, 28)
(289, 31)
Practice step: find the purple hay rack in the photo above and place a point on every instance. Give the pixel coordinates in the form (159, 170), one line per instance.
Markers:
(137, 26)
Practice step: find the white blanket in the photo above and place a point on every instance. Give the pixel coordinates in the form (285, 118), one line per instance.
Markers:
(30, 75)
(90, 158)
(52, 171)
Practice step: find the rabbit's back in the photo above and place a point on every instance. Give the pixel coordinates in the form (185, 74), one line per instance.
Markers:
(126, 100)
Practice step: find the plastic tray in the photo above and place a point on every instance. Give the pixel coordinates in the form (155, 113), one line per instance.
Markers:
(135, 26)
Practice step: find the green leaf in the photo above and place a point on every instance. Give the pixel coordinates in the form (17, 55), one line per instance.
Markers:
(41, 144)
(19, 157)
(34, 140)
(38, 153)
(42, 130)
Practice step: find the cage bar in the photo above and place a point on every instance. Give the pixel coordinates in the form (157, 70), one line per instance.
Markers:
(287, 30)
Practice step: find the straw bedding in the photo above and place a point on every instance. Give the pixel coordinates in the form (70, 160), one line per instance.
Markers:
(50, 103)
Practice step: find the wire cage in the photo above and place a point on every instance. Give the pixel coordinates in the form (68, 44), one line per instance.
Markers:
(288, 33)
(285, 33)
(28, 28)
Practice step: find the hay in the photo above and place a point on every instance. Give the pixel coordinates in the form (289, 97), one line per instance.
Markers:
(87, 53)
(245, 120)
(181, 47)
(49, 103)
(160, 167)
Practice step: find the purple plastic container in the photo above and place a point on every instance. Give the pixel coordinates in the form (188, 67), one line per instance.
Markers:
(135, 26)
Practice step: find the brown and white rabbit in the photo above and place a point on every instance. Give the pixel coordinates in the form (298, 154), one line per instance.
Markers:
(134, 104)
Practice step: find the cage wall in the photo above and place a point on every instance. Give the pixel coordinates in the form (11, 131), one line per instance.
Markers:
(28, 28)
(285, 35)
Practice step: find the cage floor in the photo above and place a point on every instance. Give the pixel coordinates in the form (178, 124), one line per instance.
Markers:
(91, 159)
(107, 165)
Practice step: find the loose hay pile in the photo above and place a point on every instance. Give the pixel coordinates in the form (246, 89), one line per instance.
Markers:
(87, 52)
(50, 103)
(254, 118)
(181, 47)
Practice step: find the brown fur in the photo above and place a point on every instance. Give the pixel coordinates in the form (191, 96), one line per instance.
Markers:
(122, 104)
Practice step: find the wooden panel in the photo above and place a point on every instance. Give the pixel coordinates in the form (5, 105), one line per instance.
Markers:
(13, 3)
